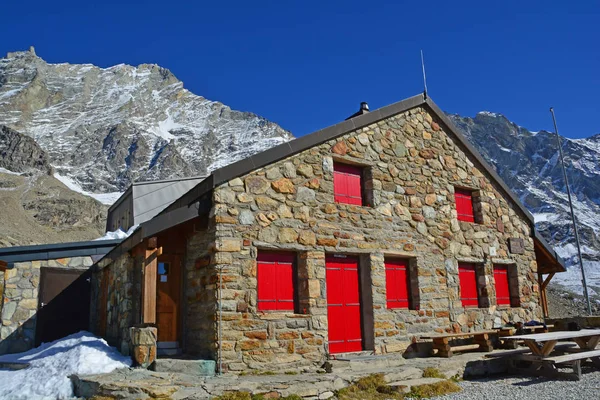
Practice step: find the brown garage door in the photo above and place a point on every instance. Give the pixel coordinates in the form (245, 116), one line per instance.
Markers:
(64, 303)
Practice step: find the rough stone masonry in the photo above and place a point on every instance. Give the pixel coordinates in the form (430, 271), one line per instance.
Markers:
(413, 166)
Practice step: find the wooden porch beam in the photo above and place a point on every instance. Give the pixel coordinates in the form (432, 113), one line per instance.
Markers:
(547, 281)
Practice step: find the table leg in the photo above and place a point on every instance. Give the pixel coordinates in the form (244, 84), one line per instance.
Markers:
(533, 346)
(587, 342)
(548, 347)
(443, 347)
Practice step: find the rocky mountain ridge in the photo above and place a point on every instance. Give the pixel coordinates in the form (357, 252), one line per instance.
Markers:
(103, 128)
(108, 127)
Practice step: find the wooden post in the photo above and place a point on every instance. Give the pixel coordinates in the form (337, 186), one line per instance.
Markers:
(544, 298)
(150, 270)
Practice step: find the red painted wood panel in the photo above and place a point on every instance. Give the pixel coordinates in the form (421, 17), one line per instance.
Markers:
(343, 305)
(468, 285)
(275, 281)
(347, 184)
(464, 205)
(396, 283)
(502, 286)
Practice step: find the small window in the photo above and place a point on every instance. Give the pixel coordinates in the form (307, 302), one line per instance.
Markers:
(467, 277)
(347, 184)
(464, 205)
(501, 280)
(397, 284)
(275, 277)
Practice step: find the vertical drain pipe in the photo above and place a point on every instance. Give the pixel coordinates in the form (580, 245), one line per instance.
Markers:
(220, 320)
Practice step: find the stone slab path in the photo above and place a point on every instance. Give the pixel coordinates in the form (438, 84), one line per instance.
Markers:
(144, 384)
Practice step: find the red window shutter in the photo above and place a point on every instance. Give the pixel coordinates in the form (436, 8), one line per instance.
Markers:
(347, 184)
(468, 285)
(464, 205)
(275, 275)
(502, 285)
(396, 283)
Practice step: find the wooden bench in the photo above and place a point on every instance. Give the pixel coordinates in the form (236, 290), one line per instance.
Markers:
(442, 343)
(547, 366)
(565, 347)
(511, 330)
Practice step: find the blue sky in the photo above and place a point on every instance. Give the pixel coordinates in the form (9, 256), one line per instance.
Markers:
(308, 64)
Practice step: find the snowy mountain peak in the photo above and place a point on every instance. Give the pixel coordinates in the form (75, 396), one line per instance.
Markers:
(105, 127)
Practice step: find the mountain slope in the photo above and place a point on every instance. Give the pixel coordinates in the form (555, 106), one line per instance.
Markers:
(529, 163)
(103, 128)
(106, 127)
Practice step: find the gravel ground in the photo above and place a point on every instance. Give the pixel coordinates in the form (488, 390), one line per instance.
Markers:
(515, 388)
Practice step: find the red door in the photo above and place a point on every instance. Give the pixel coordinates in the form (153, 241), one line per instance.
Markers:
(343, 305)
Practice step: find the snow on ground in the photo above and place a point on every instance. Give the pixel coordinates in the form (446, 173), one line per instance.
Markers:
(52, 363)
(6, 171)
(118, 234)
(104, 198)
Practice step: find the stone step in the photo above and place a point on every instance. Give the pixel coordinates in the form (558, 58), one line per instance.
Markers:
(362, 362)
(167, 345)
(170, 352)
(188, 367)
(407, 385)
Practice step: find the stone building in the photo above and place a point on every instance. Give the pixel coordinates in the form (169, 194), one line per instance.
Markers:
(356, 238)
(45, 291)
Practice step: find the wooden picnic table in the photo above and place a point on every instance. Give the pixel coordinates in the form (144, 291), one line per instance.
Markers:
(541, 345)
(441, 342)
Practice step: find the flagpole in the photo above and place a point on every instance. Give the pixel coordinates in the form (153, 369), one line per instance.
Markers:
(562, 163)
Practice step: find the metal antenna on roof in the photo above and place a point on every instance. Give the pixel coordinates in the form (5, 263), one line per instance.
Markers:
(562, 163)
(424, 76)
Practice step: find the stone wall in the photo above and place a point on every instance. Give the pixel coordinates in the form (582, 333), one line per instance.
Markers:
(20, 301)
(200, 296)
(412, 165)
(123, 309)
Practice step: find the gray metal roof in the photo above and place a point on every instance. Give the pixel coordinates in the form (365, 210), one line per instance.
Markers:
(57, 250)
(287, 149)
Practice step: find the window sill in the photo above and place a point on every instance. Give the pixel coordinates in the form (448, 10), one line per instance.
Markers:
(276, 314)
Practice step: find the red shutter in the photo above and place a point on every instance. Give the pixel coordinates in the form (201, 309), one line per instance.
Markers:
(502, 286)
(464, 205)
(468, 285)
(396, 283)
(347, 184)
(275, 275)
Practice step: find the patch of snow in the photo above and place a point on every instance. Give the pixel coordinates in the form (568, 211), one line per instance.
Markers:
(165, 127)
(572, 279)
(104, 198)
(52, 363)
(6, 171)
(9, 93)
(488, 113)
(118, 234)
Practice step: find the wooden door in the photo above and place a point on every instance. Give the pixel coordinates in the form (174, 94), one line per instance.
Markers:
(64, 303)
(168, 294)
(343, 304)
